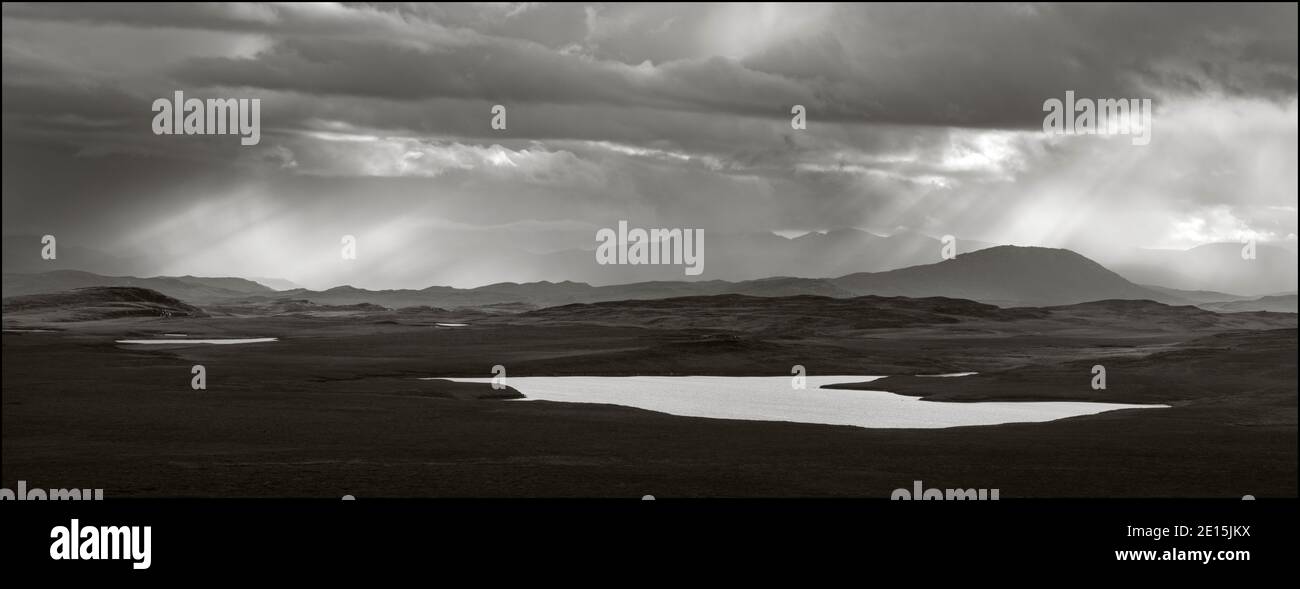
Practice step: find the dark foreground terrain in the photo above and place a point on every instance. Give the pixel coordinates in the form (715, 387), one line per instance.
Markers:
(335, 406)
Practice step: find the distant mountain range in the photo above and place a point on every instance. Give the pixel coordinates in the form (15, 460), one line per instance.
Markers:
(1006, 276)
(1276, 304)
(1218, 269)
(193, 289)
(1215, 267)
(752, 256)
(734, 257)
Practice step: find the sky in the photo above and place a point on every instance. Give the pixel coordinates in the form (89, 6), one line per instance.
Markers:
(376, 123)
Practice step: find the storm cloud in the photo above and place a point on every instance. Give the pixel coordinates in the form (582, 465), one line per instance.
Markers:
(376, 123)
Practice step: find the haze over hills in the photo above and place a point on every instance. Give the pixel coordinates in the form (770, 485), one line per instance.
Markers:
(1276, 304)
(1002, 275)
(733, 257)
(22, 255)
(275, 283)
(752, 256)
(1197, 296)
(1215, 267)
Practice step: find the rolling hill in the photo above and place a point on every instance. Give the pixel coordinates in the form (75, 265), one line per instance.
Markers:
(193, 289)
(95, 304)
(1002, 275)
(1275, 304)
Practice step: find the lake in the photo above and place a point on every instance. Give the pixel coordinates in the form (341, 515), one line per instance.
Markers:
(771, 398)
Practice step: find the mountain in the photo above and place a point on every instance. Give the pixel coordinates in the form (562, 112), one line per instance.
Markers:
(1215, 267)
(239, 285)
(94, 304)
(194, 289)
(276, 283)
(1001, 275)
(750, 256)
(1276, 304)
(730, 256)
(1007, 276)
(1196, 296)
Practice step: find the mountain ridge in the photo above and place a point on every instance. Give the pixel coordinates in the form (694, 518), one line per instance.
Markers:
(1006, 276)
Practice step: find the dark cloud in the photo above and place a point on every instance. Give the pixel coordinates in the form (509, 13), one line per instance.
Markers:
(923, 116)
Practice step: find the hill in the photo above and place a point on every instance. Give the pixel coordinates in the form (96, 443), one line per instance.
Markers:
(1275, 304)
(1007, 276)
(194, 289)
(1001, 275)
(95, 304)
